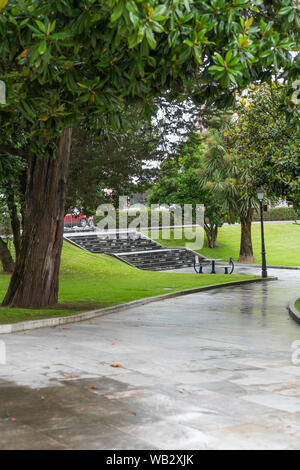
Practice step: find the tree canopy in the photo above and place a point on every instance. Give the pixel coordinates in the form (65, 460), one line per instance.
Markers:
(268, 142)
(62, 59)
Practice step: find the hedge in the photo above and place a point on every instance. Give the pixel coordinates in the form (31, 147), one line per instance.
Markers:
(278, 213)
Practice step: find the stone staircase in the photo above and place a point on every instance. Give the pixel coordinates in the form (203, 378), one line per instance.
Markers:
(135, 249)
(159, 260)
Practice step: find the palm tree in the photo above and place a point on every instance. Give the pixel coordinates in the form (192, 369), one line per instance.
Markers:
(230, 183)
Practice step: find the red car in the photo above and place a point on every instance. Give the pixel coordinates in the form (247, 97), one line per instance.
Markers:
(77, 220)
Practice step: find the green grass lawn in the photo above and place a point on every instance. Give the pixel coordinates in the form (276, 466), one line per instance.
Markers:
(282, 243)
(298, 305)
(89, 281)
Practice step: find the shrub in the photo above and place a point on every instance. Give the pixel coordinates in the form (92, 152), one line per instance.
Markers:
(278, 213)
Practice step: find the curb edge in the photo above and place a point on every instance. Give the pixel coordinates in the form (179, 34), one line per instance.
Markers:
(294, 313)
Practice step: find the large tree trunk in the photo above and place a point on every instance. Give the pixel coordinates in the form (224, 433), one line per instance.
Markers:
(246, 249)
(6, 258)
(34, 283)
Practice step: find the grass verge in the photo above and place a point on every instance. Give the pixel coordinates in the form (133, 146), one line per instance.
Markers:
(89, 282)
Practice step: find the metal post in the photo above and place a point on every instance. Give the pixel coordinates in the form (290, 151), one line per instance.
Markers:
(263, 249)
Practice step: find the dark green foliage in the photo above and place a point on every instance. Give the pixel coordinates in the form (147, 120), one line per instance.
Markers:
(124, 161)
(268, 141)
(278, 213)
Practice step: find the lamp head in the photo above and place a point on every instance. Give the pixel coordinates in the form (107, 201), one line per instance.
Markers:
(260, 194)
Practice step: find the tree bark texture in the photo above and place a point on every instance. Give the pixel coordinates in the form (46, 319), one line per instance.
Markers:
(246, 248)
(35, 280)
(6, 258)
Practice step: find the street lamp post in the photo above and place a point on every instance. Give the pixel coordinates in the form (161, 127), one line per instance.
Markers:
(260, 196)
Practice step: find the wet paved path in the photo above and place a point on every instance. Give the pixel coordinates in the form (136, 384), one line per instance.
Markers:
(206, 371)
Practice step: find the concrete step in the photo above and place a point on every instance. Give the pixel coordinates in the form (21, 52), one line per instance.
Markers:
(159, 260)
(114, 244)
(137, 250)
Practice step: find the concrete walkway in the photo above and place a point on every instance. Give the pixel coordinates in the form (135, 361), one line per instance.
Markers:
(207, 371)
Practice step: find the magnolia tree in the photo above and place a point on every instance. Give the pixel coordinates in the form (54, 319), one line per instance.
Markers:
(267, 142)
(63, 60)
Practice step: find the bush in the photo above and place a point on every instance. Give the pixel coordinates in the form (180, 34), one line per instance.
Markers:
(278, 213)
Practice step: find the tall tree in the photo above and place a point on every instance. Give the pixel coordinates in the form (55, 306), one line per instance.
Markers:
(223, 177)
(62, 61)
(258, 146)
(124, 161)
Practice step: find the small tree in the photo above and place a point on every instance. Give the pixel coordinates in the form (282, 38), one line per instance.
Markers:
(179, 184)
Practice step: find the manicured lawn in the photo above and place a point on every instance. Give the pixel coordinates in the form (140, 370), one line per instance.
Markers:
(282, 243)
(90, 281)
(298, 305)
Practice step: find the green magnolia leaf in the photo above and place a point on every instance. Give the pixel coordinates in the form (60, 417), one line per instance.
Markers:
(234, 61)
(216, 68)
(158, 28)
(150, 38)
(42, 47)
(284, 11)
(132, 7)
(265, 53)
(185, 54)
(249, 23)
(197, 54)
(62, 35)
(188, 42)
(160, 13)
(41, 26)
(134, 39)
(134, 19)
(220, 58)
(52, 27)
(228, 56)
(117, 12)
(187, 4)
